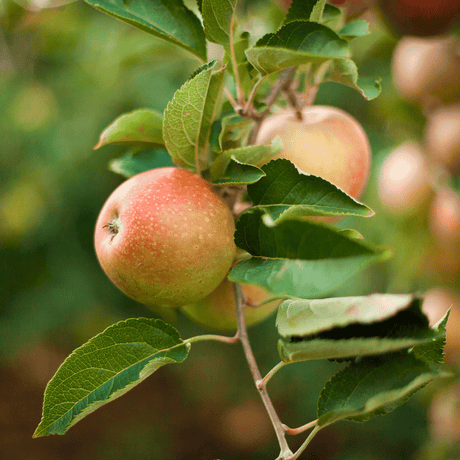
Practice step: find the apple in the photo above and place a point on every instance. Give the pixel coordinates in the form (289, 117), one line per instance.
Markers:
(218, 309)
(165, 238)
(404, 180)
(444, 218)
(327, 142)
(419, 17)
(442, 136)
(427, 70)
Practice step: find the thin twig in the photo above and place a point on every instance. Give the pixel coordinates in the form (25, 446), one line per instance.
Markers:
(243, 335)
(305, 444)
(239, 89)
(300, 429)
(264, 381)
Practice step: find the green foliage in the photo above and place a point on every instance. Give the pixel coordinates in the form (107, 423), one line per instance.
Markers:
(297, 43)
(171, 21)
(286, 194)
(189, 117)
(140, 127)
(218, 19)
(105, 368)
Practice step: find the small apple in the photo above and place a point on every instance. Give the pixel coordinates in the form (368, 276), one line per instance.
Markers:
(218, 309)
(327, 142)
(165, 238)
(419, 17)
(404, 180)
(442, 136)
(444, 219)
(427, 70)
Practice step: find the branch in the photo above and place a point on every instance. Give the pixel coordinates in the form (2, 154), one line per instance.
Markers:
(286, 452)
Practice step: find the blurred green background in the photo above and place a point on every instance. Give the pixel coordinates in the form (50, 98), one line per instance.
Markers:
(65, 74)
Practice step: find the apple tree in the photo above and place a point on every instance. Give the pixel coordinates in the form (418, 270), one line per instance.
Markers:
(242, 224)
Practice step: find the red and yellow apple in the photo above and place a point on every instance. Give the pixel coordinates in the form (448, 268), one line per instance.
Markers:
(442, 136)
(427, 70)
(404, 180)
(218, 309)
(165, 238)
(327, 142)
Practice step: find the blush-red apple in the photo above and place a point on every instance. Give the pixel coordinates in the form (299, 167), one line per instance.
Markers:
(165, 238)
(327, 142)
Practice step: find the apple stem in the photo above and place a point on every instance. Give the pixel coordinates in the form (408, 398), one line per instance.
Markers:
(242, 333)
(305, 444)
(264, 381)
(283, 84)
(218, 338)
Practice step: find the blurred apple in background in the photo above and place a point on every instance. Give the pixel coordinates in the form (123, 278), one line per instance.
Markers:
(442, 136)
(444, 219)
(427, 70)
(404, 180)
(327, 142)
(419, 17)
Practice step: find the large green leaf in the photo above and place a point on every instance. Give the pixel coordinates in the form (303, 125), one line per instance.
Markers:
(169, 20)
(298, 258)
(373, 386)
(218, 19)
(142, 126)
(347, 327)
(105, 368)
(189, 117)
(285, 193)
(296, 44)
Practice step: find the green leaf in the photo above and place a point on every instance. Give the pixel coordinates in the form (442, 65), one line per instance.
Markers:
(105, 368)
(347, 327)
(218, 19)
(285, 193)
(189, 117)
(170, 21)
(433, 352)
(238, 173)
(296, 44)
(373, 386)
(135, 163)
(357, 28)
(298, 258)
(142, 126)
(249, 155)
(234, 130)
(300, 10)
(344, 71)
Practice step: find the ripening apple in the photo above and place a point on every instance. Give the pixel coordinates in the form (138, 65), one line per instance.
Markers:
(419, 17)
(404, 180)
(218, 309)
(442, 136)
(327, 142)
(427, 70)
(444, 218)
(165, 238)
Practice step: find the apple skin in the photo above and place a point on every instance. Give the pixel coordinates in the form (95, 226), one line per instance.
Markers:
(419, 17)
(218, 310)
(442, 136)
(444, 219)
(404, 180)
(427, 70)
(327, 142)
(165, 238)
